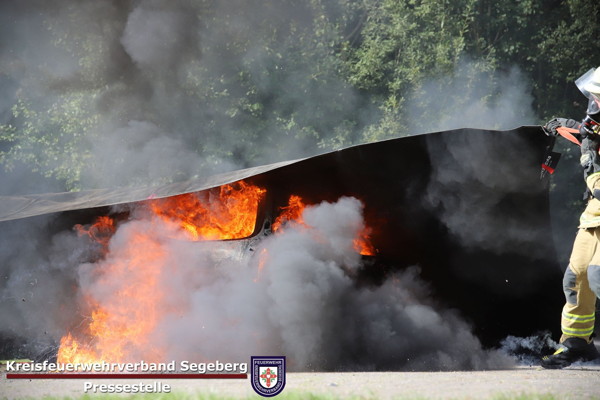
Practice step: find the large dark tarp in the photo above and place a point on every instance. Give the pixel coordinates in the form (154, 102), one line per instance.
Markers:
(466, 206)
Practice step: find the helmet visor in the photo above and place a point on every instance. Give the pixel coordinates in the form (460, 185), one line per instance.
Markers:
(583, 80)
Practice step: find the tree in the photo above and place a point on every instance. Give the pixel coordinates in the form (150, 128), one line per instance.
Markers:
(132, 92)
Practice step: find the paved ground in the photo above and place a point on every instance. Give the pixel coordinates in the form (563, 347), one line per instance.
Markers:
(574, 383)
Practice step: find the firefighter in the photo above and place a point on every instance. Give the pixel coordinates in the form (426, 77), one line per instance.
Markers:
(581, 282)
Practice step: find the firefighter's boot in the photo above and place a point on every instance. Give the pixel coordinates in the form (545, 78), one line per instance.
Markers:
(571, 350)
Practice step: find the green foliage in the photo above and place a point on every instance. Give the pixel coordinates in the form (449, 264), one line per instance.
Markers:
(60, 131)
(404, 44)
(569, 48)
(283, 78)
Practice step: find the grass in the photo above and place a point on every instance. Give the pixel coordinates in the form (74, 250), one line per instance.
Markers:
(284, 396)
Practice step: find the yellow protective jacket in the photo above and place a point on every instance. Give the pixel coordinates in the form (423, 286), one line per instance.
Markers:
(591, 215)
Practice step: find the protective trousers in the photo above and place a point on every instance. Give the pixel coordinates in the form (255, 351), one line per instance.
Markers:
(581, 284)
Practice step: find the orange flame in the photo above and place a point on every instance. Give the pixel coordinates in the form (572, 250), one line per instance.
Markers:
(262, 260)
(363, 245)
(291, 212)
(232, 216)
(122, 324)
(100, 231)
(119, 329)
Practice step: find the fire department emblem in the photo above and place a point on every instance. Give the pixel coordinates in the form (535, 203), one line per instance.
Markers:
(268, 375)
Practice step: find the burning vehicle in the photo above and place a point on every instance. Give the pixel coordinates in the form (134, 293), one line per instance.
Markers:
(384, 255)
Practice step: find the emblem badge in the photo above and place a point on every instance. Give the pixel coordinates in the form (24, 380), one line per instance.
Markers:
(268, 375)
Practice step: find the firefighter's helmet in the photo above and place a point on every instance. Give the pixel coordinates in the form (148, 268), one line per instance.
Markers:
(592, 86)
(589, 85)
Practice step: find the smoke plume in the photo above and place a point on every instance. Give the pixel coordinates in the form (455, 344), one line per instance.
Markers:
(472, 98)
(38, 274)
(294, 295)
(149, 120)
(142, 92)
(529, 350)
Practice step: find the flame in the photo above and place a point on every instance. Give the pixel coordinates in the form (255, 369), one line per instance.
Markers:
(363, 245)
(263, 257)
(292, 213)
(120, 328)
(232, 216)
(100, 231)
(122, 324)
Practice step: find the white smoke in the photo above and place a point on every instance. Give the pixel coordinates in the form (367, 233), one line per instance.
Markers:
(528, 350)
(153, 122)
(156, 34)
(146, 150)
(470, 182)
(294, 297)
(472, 175)
(472, 98)
(149, 91)
(37, 277)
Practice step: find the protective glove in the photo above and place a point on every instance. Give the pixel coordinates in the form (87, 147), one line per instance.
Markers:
(550, 127)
